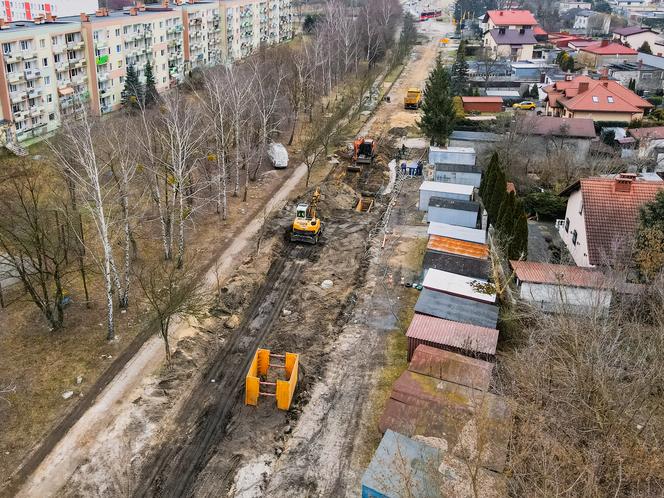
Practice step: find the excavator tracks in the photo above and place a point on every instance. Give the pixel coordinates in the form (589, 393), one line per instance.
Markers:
(177, 463)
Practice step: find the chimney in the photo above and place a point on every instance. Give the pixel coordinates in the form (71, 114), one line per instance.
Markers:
(85, 17)
(605, 43)
(50, 17)
(569, 77)
(38, 20)
(500, 13)
(583, 86)
(624, 182)
(133, 11)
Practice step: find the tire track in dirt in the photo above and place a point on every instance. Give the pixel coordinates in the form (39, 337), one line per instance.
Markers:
(176, 466)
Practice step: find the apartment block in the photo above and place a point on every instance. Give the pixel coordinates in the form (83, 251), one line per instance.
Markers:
(43, 72)
(27, 11)
(51, 63)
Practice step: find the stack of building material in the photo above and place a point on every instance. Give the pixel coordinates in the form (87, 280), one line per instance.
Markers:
(458, 250)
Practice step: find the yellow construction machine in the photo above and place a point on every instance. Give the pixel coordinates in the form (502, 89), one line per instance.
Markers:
(306, 225)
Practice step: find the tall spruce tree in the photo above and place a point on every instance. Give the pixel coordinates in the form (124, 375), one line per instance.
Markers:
(490, 170)
(460, 71)
(498, 195)
(506, 218)
(150, 94)
(438, 114)
(518, 247)
(132, 94)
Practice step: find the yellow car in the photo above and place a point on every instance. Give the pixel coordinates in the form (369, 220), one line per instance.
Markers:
(526, 105)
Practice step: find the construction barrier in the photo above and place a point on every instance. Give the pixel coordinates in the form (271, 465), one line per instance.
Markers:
(258, 370)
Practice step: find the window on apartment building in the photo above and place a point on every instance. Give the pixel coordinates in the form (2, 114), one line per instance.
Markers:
(16, 108)
(51, 116)
(12, 87)
(163, 80)
(57, 58)
(567, 225)
(163, 52)
(25, 44)
(163, 67)
(125, 30)
(119, 64)
(45, 62)
(575, 236)
(121, 79)
(30, 84)
(54, 40)
(27, 65)
(6, 48)
(118, 48)
(70, 37)
(71, 55)
(161, 38)
(19, 125)
(117, 32)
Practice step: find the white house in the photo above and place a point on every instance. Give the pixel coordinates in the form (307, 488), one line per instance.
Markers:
(572, 4)
(558, 288)
(602, 216)
(635, 36)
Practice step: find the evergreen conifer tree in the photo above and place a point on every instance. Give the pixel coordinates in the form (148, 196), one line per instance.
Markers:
(498, 195)
(490, 170)
(505, 220)
(460, 71)
(132, 94)
(645, 48)
(151, 95)
(438, 114)
(518, 247)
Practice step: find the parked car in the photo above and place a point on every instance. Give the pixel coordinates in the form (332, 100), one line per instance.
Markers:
(526, 105)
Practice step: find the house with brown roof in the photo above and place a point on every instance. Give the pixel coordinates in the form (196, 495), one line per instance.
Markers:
(635, 36)
(599, 100)
(600, 54)
(551, 134)
(649, 143)
(602, 216)
(562, 288)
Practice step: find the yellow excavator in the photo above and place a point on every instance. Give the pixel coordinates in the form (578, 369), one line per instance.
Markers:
(306, 225)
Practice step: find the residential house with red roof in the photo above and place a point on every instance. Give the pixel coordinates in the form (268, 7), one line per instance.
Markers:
(603, 53)
(511, 34)
(562, 288)
(602, 216)
(599, 100)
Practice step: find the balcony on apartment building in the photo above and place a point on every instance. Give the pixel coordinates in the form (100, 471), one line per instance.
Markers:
(18, 96)
(35, 92)
(32, 74)
(15, 76)
(75, 45)
(174, 29)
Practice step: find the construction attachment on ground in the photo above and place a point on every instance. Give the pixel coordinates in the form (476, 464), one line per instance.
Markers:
(258, 378)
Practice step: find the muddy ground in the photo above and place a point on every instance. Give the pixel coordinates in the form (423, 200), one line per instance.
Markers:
(345, 335)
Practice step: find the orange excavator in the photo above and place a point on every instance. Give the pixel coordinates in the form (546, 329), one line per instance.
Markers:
(364, 152)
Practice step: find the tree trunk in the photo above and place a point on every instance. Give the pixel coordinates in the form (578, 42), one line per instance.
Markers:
(181, 234)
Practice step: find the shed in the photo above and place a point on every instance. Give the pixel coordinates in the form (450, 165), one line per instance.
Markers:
(457, 309)
(468, 420)
(503, 92)
(452, 155)
(452, 367)
(459, 285)
(462, 174)
(444, 191)
(455, 212)
(400, 467)
(463, 265)
(449, 245)
(457, 233)
(482, 104)
(463, 338)
(561, 287)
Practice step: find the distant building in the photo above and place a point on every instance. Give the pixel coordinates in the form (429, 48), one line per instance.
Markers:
(646, 78)
(490, 105)
(635, 36)
(591, 23)
(569, 5)
(510, 34)
(29, 11)
(599, 100)
(602, 215)
(600, 54)
(550, 134)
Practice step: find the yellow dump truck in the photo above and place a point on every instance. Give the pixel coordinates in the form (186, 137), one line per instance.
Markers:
(413, 99)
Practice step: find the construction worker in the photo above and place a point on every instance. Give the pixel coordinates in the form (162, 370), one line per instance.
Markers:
(403, 167)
